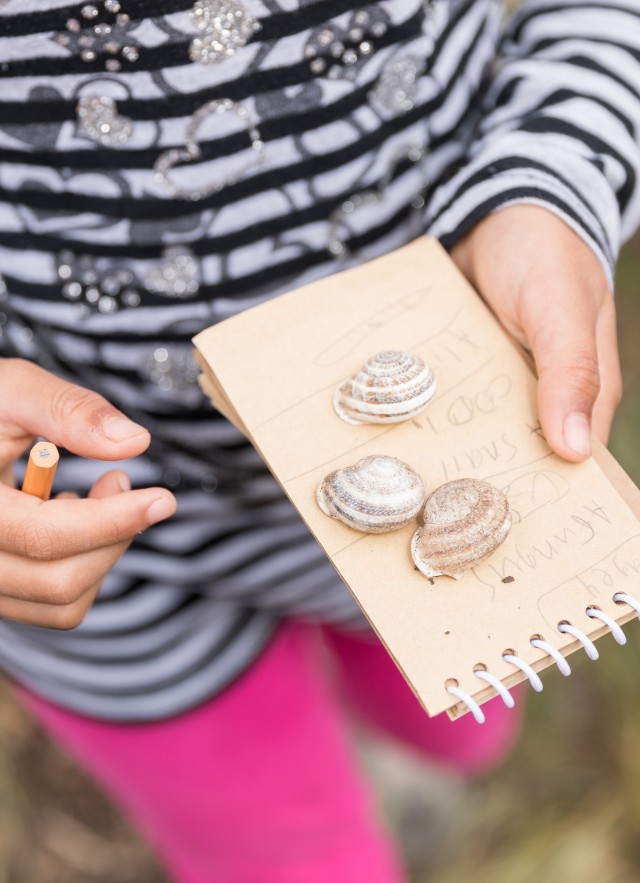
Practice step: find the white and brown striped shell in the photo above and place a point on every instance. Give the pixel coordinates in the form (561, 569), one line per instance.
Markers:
(390, 387)
(464, 522)
(377, 494)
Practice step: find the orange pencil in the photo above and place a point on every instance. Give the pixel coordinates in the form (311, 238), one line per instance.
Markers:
(41, 468)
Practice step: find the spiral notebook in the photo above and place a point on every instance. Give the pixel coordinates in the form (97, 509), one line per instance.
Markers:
(569, 571)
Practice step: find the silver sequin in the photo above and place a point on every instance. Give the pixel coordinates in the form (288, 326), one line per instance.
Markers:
(92, 289)
(92, 286)
(338, 52)
(171, 368)
(176, 275)
(99, 120)
(130, 297)
(72, 290)
(191, 152)
(340, 229)
(226, 26)
(336, 244)
(130, 53)
(397, 86)
(107, 304)
(108, 37)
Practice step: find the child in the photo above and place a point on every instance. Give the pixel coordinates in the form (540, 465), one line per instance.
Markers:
(165, 165)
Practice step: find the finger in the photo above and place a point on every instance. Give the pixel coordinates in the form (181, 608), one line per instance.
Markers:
(63, 581)
(46, 615)
(68, 415)
(56, 583)
(566, 358)
(7, 475)
(110, 483)
(58, 529)
(610, 373)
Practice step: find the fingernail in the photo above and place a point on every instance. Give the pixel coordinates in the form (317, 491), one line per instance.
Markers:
(161, 508)
(123, 481)
(120, 429)
(577, 434)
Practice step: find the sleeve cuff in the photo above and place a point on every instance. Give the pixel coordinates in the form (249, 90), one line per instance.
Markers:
(520, 169)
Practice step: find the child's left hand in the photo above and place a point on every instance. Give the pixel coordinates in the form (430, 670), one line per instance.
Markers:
(550, 292)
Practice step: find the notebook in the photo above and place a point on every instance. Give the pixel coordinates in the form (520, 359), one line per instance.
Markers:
(575, 541)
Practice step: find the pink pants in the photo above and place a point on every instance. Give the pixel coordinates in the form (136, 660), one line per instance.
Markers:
(261, 785)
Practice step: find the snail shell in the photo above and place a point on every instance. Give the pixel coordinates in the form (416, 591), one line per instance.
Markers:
(391, 386)
(464, 521)
(376, 495)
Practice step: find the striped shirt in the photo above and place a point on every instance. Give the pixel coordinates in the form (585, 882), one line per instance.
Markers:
(164, 165)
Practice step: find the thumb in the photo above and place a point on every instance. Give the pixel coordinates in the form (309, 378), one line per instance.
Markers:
(83, 422)
(566, 358)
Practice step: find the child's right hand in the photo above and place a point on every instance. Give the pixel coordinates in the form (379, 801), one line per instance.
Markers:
(55, 554)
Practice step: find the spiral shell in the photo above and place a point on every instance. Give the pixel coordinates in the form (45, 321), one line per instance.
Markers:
(376, 495)
(390, 387)
(464, 522)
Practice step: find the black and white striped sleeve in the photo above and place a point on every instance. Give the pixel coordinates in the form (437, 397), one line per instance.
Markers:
(560, 125)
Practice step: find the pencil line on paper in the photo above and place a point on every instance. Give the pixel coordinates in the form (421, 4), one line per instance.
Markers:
(476, 370)
(331, 385)
(373, 438)
(585, 570)
(341, 454)
(519, 466)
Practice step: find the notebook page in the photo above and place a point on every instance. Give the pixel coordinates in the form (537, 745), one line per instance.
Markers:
(574, 542)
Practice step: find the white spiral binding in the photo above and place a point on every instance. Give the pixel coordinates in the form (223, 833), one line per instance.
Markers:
(627, 599)
(534, 680)
(563, 666)
(471, 704)
(618, 635)
(497, 685)
(587, 643)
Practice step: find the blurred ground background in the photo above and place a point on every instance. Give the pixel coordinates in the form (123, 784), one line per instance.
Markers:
(564, 808)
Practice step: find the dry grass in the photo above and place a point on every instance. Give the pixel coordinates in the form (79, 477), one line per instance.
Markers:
(55, 826)
(565, 807)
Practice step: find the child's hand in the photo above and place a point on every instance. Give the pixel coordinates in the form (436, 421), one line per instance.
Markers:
(548, 289)
(55, 554)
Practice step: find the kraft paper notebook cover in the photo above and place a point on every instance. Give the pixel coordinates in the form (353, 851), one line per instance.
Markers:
(575, 540)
